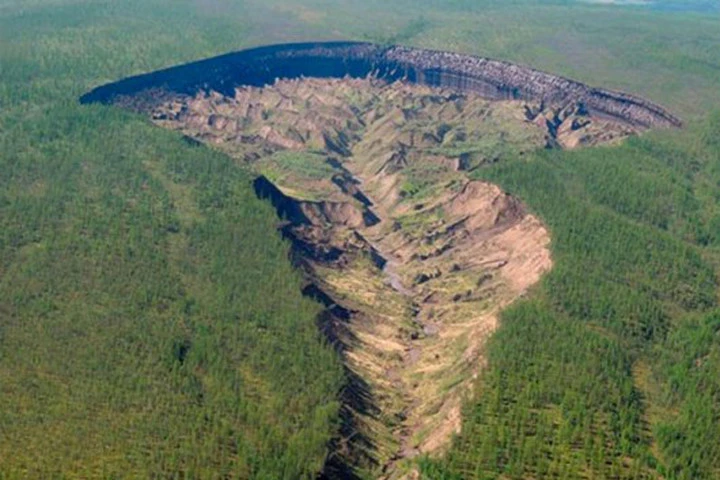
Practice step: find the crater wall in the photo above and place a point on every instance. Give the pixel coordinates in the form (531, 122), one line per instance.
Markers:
(489, 78)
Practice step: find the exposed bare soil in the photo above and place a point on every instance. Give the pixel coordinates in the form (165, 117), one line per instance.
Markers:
(413, 260)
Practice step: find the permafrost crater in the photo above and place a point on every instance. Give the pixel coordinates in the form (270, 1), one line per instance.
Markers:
(365, 152)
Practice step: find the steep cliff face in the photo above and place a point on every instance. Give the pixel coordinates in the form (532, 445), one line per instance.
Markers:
(507, 80)
(489, 78)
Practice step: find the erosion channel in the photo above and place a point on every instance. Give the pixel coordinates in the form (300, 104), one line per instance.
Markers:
(369, 169)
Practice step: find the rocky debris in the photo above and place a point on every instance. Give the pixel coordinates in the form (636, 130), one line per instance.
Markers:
(572, 126)
(405, 127)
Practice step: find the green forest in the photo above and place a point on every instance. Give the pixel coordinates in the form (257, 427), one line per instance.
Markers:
(152, 326)
(151, 322)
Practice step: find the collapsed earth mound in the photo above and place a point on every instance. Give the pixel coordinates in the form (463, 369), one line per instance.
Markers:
(368, 166)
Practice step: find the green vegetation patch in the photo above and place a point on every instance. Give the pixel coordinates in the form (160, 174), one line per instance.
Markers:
(288, 169)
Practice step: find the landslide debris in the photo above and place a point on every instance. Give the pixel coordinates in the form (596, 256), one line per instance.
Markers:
(413, 260)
